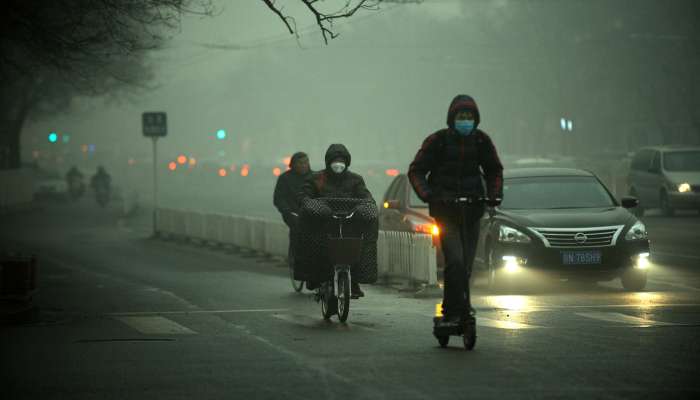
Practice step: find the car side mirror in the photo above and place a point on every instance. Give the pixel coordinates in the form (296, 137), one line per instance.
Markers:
(392, 204)
(629, 202)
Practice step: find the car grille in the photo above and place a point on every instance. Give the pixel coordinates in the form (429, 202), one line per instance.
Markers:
(601, 236)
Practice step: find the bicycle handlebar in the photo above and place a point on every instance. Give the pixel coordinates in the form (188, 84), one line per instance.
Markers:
(343, 215)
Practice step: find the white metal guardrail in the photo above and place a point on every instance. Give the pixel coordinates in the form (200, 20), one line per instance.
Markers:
(400, 255)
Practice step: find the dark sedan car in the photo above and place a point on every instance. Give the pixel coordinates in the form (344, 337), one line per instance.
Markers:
(563, 222)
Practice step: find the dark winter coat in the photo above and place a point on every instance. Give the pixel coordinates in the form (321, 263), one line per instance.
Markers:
(450, 165)
(289, 184)
(327, 183)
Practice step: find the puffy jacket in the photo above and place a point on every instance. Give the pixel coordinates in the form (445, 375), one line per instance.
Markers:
(327, 183)
(450, 165)
(288, 186)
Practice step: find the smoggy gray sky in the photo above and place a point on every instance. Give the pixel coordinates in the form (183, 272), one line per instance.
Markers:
(386, 82)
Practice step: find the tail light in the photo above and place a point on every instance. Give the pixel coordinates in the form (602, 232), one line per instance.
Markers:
(430, 229)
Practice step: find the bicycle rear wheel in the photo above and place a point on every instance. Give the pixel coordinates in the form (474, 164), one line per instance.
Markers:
(343, 296)
(296, 285)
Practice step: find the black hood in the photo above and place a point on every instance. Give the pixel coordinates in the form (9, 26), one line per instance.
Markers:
(337, 151)
(459, 103)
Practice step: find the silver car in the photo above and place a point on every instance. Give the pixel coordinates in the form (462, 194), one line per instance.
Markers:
(666, 177)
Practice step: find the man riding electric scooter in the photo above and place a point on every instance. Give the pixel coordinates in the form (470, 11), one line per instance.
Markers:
(447, 174)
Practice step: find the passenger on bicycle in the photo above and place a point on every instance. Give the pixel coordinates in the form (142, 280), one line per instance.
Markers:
(288, 186)
(336, 181)
(449, 165)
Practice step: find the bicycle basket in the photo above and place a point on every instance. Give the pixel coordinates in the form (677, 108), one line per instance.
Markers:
(345, 251)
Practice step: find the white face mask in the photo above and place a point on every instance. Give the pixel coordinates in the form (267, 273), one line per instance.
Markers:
(338, 167)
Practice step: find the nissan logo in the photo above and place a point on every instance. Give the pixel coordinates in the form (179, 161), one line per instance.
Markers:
(580, 238)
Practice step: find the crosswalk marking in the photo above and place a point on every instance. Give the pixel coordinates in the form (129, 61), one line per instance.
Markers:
(501, 324)
(311, 322)
(623, 319)
(186, 312)
(156, 326)
(658, 281)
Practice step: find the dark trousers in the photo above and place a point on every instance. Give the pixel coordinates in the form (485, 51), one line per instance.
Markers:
(459, 236)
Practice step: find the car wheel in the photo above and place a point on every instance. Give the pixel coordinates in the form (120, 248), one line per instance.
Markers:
(665, 205)
(634, 280)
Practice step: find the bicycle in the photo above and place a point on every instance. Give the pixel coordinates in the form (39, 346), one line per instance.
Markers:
(343, 252)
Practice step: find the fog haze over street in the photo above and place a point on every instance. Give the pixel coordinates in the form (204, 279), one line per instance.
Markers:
(105, 294)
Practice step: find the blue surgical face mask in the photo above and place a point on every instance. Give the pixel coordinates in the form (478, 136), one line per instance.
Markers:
(464, 126)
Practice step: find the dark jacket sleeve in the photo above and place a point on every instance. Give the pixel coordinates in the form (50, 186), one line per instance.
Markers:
(281, 195)
(360, 190)
(309, 189)
(422, 164)
(492, 167)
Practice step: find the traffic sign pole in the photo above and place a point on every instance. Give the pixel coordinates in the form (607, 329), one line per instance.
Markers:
(155, 184)
(155, 125)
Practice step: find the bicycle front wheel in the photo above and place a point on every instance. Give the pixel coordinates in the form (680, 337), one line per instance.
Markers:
(343, 296)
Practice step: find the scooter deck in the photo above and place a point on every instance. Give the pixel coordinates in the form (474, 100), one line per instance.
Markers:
(455, 330)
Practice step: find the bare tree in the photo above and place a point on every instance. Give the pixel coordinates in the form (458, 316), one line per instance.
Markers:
(52, 51)
(325, 18)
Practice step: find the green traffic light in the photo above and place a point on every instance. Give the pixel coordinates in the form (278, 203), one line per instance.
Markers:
(221, 134)
(53, 137)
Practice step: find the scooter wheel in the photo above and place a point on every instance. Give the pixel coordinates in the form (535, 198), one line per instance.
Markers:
(443, 340)
(469, 336)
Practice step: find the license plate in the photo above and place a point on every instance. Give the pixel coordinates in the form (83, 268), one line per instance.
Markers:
(581, 257)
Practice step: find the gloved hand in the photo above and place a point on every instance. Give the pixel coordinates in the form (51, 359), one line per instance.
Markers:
(323, 209)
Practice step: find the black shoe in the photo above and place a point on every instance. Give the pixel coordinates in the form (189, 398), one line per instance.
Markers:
(356, 292)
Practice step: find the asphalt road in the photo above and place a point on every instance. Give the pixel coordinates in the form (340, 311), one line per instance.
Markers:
(126, 316)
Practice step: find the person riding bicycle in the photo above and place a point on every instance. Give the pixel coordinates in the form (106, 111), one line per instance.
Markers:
(336, 181)
(73, 173)
(288, 186)
(448, 166)
(101, 178)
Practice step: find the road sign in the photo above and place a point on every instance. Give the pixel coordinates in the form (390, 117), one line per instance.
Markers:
(155, 124)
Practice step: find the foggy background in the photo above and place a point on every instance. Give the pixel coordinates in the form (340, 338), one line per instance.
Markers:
(623, 72)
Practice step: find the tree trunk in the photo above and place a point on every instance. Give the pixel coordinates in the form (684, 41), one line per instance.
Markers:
(13, 113)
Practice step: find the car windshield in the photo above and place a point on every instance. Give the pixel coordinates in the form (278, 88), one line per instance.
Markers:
(678, 161)
(551, 192)
(414, 201)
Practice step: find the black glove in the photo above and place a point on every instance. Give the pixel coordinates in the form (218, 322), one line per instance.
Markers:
(323, 209)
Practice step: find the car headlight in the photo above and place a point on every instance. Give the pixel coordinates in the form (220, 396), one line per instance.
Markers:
(637, 232)
(684, 187)
(512, 235)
